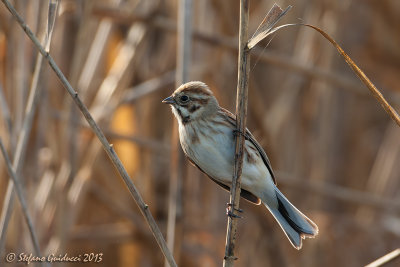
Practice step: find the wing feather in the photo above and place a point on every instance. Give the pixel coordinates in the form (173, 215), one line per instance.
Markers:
(248, 136)
(243, 193)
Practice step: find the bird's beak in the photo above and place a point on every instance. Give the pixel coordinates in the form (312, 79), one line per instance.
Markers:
(169, 100)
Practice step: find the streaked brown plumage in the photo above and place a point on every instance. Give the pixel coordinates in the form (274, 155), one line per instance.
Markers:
(206, 133)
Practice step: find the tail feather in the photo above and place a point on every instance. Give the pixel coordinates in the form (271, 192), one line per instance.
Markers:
(294, 223)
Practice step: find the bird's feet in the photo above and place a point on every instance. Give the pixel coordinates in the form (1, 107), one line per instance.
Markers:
(230, 211)
(237, 132)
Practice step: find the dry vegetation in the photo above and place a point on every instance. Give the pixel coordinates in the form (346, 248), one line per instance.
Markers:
(335, 151)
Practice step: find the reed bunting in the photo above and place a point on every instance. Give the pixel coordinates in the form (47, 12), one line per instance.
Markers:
(207, 136)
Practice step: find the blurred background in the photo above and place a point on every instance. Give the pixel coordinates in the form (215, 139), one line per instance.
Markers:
(335, 152)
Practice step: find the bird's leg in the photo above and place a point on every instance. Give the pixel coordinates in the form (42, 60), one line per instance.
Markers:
(229, 211)
(230, 205)
(230, 257)
(237, 132)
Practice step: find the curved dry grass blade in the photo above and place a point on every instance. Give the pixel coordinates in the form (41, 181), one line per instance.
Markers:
(51, 18)
(377, 94)
(367, 82)
(269, 57)
(274, 15)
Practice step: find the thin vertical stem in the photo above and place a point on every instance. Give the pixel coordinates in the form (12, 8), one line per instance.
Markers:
(23, 136)
(177, 158)
(184, 41)
(22, 200)
(19, 153)
(241, 113)
(5, 110)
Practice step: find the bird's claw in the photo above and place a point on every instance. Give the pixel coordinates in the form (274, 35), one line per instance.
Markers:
(233, 215)
(237, 132)
(230, 257)
(230, 209)
(230, 206)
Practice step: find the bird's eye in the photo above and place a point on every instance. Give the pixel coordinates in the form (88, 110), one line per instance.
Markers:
(184, 98)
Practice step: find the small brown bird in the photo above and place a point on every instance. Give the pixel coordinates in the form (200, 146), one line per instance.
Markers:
(207, 136)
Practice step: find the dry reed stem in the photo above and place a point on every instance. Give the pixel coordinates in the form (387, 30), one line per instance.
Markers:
(19, 153)
(100, 135)
(23, 135)
(5, 111)
(144, 142)
(376, 93)
(330, 190)
(270, 57)
(339, 193)
(385, 259)
(241, 113)
(382, 170)
(104, 108)
(106, 234)
(367, 82)
(93, 59)
(147, 143)
(118, 72)
(24, 206)
(183, 59)
(148, 87)
(106, 105)
(273, 16)
(118, 207)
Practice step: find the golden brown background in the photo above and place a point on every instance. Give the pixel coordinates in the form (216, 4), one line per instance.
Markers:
(335, 151)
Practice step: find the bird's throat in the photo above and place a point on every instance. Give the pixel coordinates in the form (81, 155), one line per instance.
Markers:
(183, 118)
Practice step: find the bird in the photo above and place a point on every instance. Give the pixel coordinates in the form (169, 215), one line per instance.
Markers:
(207, 137)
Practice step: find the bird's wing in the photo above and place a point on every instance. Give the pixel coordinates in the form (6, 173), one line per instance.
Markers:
(250, 137)
(264, 156)
(243, 193)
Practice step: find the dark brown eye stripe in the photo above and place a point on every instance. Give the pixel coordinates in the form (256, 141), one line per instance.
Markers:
(193, 108)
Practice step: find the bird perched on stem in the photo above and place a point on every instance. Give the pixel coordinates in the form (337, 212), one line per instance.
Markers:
(207, 136)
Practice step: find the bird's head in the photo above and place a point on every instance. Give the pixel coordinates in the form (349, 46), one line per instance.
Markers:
(192, 101)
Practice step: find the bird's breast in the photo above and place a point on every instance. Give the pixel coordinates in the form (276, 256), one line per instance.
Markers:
(211, 149)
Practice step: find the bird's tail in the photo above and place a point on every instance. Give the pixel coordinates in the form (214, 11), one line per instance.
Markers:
(294, 223)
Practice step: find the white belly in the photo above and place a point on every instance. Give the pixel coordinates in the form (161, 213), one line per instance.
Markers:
(214, 154)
